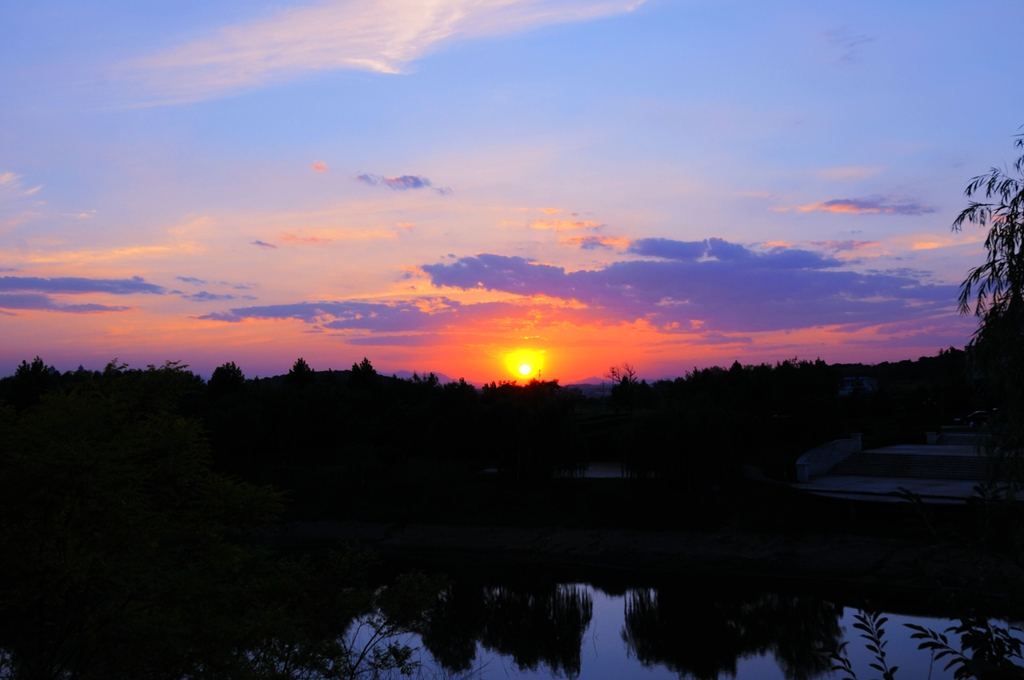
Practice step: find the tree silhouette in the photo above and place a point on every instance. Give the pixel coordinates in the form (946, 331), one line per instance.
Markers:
(364, 377)
(226, 379)
(996, 290)
(998, 285)
(30, 381)
(300, 373)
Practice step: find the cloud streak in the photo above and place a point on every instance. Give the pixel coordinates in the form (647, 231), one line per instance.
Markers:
(564, 225)
(848, 43)
(876, 205)
(401, 183)
(846, 246)
(33, 293)
(595, 242)
(41, 302)
(77, 285)
(204, 296)
(381, 36)
(11, 186)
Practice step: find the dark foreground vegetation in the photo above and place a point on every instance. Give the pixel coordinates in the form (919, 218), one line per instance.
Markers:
(132, 505)
(134, 502)
(354, 444)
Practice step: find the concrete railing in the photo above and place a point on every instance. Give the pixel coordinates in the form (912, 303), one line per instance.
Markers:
(821, 459)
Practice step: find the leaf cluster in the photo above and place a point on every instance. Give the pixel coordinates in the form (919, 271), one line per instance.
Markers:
(991, 648)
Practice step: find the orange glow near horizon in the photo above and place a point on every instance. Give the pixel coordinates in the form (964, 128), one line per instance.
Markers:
(479, 351)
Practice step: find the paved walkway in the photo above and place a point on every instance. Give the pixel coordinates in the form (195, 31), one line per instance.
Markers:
(877, 488)
(887, 489)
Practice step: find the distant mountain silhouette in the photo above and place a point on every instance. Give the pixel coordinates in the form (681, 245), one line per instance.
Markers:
(592, 380)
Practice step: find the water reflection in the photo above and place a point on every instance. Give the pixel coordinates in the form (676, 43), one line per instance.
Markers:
(700, 634)
(531, 627)
(698, 631)
(430, 627)
(695, 632)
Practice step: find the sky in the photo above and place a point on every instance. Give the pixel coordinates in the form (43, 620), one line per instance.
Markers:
(468, 186)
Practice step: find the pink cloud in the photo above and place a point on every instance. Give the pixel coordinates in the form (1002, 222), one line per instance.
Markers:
(292, 238)
(319, 166)
(563, 225)
(846, 245)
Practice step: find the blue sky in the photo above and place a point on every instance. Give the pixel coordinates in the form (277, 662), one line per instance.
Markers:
(222, 142)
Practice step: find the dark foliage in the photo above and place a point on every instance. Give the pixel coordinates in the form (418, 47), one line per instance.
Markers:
(358, 444)
(126, 556)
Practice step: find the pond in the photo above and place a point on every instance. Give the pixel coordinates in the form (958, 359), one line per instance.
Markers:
(701, 631)
(310, 621)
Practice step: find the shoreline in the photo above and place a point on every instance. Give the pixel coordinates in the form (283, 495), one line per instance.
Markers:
(916, 569)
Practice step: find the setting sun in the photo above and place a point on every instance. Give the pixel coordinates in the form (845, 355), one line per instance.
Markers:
(525, 363)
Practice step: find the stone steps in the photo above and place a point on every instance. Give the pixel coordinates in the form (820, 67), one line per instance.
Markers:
(866, 464)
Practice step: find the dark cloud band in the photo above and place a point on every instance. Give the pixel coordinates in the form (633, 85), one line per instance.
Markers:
(710, 287)
(42, 302)
(75, 285)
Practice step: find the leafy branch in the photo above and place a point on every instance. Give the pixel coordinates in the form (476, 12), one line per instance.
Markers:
(871, 626)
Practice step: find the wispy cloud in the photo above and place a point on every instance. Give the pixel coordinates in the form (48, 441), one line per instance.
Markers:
(402, 183)
(325, 236)
(369, 35)
(874, 205)
(319, 166)
(33, 293)
(352, 314)
(204, 296)
(41, 302)
(113, 254)
(12, 186)
(595, 242)
(412, 340)
(78, 285)
(313, 240)
(849, 44)
(564, 225)
(845, 246)
(82, 215)
(669, 248)
(263, 244)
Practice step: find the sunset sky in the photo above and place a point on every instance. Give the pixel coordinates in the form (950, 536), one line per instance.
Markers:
(463, 186)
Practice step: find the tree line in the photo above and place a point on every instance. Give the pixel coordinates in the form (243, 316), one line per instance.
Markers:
(351, 442)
